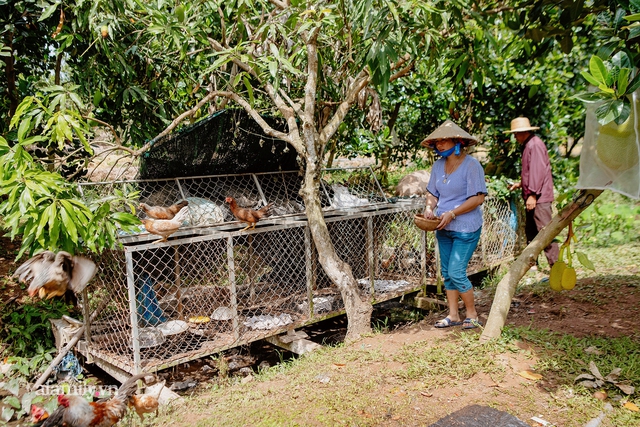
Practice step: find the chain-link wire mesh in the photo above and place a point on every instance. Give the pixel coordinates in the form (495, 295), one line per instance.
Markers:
(213, 286)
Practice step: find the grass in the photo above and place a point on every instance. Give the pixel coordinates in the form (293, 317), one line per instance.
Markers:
(363, 385)
(370, 383)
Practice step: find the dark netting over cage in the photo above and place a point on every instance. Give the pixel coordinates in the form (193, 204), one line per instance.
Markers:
(227, 142)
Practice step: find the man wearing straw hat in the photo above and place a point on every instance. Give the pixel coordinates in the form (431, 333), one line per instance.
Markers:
(536, 182)
(455, 192)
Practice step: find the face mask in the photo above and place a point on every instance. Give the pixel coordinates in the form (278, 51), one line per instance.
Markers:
(450, 151)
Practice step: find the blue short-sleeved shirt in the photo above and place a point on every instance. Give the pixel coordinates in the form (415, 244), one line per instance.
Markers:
(466, 181)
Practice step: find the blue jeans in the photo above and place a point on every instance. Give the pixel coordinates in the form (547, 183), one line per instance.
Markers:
(456, 249)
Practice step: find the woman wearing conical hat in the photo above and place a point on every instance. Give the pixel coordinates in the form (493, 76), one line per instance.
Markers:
(455, 192)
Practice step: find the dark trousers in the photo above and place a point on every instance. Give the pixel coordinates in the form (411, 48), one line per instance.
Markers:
(537, 219)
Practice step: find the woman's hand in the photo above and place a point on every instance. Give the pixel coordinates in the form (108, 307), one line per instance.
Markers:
(428, 212)
(445, 219)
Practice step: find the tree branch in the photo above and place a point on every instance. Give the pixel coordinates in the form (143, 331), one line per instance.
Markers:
(358, 84)
(113, 131)
(282, 5)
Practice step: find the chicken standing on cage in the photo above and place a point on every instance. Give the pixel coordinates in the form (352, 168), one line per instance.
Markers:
(165, 227)
(76, 411)
(163, 212)
(50, 275)
(246, 215)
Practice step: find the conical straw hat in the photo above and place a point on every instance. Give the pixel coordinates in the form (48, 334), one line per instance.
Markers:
(449, 130)
(521, 124)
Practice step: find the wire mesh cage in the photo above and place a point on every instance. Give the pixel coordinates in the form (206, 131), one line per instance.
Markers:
(214, 285)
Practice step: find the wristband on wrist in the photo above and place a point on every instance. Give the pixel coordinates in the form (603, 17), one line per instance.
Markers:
(453, 216)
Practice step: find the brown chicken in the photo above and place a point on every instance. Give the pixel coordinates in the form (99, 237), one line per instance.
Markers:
(249, 216)
(75, 411)
(144, 404)
(50, 274)
(165, 227)
(162, 212)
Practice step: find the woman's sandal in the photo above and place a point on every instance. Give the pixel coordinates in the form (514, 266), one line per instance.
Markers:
(446, 323)
(471, 323)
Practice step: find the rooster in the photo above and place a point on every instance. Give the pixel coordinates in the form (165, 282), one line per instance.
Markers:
(162, 212)
(165, 227)
(50, 274)
(38, 415)
(249, 216)
(75, 411)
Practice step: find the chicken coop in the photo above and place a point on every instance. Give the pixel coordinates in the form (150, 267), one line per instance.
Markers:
(213, 286)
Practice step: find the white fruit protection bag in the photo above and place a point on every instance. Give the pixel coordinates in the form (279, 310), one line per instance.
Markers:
(610, 154)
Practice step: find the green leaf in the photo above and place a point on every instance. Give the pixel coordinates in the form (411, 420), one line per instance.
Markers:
(48, 11)
(634, 84)
(585, 261)
(54, 227)
(598, 70)
(624, 113)
(623, 81)
(632, 18)
(24, 128)
(588, 77)
(69, 225)
(621, 60)
(462, 71)
(609, 111)
(7, 413)
(273, 69)
(588, 97)
(247, 84)
(12, 401)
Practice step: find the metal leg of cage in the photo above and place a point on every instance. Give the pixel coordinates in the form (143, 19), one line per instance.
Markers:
(310, 270)
(439, 280)
(251, 273)
(178, 281)
(370, 257)
(232, 288)
(255, 180)
(133, 312)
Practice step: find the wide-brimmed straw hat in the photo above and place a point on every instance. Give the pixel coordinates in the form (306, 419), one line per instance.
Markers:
(449, 130)
(521, 124)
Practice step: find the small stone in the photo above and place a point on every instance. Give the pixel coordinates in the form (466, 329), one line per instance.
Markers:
(246, 371)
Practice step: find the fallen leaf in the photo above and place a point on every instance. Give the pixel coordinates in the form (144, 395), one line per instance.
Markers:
(593, 350)
(631, 407)
(426, 394)
(626, 388)
(595, 371)
(530, 375)
(340, 365)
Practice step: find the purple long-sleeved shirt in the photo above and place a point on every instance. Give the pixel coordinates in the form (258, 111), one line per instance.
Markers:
(536, 171)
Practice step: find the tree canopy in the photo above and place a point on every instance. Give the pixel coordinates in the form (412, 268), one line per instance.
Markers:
(142, 69)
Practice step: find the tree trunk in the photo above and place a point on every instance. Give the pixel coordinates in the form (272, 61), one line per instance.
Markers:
(358, 311)
(507, 286)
